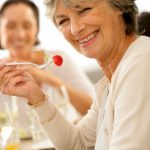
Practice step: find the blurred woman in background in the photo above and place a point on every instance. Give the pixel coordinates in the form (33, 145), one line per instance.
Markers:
(19, 27)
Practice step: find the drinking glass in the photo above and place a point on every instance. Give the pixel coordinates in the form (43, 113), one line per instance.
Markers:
(13, 142)
(36, 129)
(8, 131)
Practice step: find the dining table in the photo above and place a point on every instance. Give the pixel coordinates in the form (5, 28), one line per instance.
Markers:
(29, 144)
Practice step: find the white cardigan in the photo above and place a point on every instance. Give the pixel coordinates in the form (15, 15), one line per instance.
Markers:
(119, 118)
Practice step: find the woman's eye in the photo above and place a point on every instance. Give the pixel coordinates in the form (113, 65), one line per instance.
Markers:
(27, 25)
(62, 22)
(85, 10)
(11, 26)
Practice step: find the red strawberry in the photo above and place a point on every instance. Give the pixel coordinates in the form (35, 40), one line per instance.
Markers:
(58, 60)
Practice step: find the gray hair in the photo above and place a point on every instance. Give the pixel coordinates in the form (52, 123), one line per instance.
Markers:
(127, 7)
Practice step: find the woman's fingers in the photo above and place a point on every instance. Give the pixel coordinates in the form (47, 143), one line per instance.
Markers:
(3, 71)
(6, 73)
(10, 87)
(6, 78)
(19, 83)
(1, 66)
(35, 73)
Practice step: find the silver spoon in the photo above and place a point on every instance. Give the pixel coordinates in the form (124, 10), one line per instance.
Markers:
(50, 60)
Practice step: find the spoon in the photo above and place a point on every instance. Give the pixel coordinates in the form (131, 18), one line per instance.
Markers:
(56, 59)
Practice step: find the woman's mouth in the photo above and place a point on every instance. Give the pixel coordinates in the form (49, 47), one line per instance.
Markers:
(89, 39)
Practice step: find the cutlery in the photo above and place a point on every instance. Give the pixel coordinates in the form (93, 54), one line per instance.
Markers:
(56, 59)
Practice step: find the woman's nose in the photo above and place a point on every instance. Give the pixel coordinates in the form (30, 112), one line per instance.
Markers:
(77, 27)
(20, 32)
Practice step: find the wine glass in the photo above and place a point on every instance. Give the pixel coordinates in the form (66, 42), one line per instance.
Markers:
(5, 129)
(8, 131)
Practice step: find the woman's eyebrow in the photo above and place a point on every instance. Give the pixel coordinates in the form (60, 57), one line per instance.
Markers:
(59, 16)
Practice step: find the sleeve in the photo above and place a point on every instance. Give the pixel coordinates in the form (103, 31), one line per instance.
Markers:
(72, 73)
(63, 134)
(131, 128)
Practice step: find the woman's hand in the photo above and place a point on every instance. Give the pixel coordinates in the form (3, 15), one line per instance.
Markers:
(17, 81)
(35, 72)
(42, 76)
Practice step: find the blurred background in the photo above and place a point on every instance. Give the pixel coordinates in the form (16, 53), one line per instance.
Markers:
(51, 39)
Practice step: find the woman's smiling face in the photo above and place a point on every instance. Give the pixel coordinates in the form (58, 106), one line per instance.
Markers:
(18, 29)
(93, 30)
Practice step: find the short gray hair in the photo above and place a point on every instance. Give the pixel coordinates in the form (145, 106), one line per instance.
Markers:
(127, 7)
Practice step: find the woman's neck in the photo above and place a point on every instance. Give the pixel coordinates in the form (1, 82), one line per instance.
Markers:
(111, 66)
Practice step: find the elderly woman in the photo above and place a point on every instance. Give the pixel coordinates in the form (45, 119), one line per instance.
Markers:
(104, 30)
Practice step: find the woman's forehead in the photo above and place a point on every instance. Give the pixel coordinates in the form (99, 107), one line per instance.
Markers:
(76, 3)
